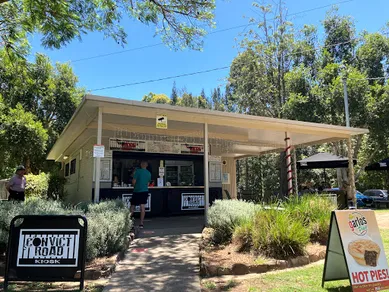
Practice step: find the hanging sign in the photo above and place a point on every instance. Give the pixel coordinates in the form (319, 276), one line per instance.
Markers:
(98, 151)
(161, 122)
(355, 251)
(46, 248)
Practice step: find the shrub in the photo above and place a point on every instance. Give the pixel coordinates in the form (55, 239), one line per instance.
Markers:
(225, 215)
(108, 227)
(278, 235)
(242, 236)
(108, 222)
(56, 187)
(314, 212)
(37, 185)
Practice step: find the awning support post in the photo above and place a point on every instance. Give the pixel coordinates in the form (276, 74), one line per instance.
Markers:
(206, 173)
(98, 171)
(296, 187)
(288, 157)
(351, 175)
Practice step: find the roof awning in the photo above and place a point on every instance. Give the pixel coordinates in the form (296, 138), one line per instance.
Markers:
(324, 160)
(380, 165)
(246, 135)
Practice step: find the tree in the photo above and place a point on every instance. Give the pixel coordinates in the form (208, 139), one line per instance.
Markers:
(156, 98)
(22, 137)
(340, 40)
(174, 95)
(188, 100)
(48, 92)
(179, 22)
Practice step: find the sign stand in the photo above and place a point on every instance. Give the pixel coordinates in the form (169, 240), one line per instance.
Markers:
(355, 251)
(46, 248)
(335, 265)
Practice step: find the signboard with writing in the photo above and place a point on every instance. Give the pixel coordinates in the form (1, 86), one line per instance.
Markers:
(98, 151)
(192, 148)
(163, 147)
(46, 248)
(127, 145)
(161, 122)
(355, 251)
(192, 201)
(126, 198)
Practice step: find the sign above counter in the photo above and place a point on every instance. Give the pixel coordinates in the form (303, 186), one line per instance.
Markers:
(155, 146)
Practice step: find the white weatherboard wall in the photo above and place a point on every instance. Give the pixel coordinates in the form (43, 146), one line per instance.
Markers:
(79, 185)
(230, 167)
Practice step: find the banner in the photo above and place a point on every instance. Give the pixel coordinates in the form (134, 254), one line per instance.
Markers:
(355, 251)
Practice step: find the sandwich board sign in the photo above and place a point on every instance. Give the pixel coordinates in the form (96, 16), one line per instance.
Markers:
(355, 251)
(46, 248)
(161, 122)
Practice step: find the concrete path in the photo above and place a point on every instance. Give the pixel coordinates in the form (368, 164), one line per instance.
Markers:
(164, 257)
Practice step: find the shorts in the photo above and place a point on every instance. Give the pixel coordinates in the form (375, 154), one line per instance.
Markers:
(139, 198)
(16, 196)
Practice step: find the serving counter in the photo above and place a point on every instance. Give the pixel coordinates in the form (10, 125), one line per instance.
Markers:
(166, 201)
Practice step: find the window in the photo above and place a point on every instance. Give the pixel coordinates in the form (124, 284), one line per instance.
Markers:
(67, 169)
(73, 166)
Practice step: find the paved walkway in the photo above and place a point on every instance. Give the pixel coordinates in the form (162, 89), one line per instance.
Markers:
(164, 257)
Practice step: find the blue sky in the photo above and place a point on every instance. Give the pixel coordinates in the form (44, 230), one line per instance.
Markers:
(160, 61)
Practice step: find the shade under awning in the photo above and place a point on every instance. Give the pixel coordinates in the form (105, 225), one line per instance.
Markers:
(380, 165)
(324, 160)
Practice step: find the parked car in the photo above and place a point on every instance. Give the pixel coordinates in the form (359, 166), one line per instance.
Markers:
(363, 201)
(377, 195)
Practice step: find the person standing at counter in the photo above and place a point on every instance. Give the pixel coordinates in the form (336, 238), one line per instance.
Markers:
(141, 180)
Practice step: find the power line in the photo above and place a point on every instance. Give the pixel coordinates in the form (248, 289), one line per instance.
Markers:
(161, 79)
(215, 69)
(211, 33)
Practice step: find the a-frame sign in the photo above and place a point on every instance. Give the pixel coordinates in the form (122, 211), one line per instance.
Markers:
(355, 251)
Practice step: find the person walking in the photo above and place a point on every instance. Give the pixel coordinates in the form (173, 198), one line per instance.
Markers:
(141, 180)
(17, 185)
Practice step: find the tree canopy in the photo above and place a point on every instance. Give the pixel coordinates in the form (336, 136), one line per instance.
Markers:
(181, 23)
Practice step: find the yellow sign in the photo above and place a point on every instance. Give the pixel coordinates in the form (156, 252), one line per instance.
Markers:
(355, 251)
(161, 122)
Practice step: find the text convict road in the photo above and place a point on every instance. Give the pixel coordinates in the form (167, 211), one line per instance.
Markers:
(48, 248)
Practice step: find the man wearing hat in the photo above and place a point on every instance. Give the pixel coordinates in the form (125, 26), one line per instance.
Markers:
(17, 185)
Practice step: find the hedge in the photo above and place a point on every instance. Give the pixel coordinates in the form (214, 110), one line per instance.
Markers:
(108, 222)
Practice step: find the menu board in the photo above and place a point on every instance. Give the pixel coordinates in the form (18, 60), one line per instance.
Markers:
(355, 251)
(126, 144)
(215, 171)
(105, 169)
(155, 146)
(163, 147)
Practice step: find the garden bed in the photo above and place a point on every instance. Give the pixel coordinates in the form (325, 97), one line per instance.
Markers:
(228, 261)
(245, 238)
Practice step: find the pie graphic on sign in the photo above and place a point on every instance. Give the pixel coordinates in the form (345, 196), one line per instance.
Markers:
(365, 252)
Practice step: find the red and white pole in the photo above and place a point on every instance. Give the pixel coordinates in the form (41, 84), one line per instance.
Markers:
(288, 157)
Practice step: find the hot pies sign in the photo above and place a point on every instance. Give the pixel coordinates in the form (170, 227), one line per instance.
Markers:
(355, 251)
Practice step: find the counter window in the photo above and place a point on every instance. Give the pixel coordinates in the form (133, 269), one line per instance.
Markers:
(180, 170)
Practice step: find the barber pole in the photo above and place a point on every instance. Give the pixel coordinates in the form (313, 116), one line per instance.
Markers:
(288, 157)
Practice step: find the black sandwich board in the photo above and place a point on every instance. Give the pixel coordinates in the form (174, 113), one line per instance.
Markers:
(355, 251)
(46, 248)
